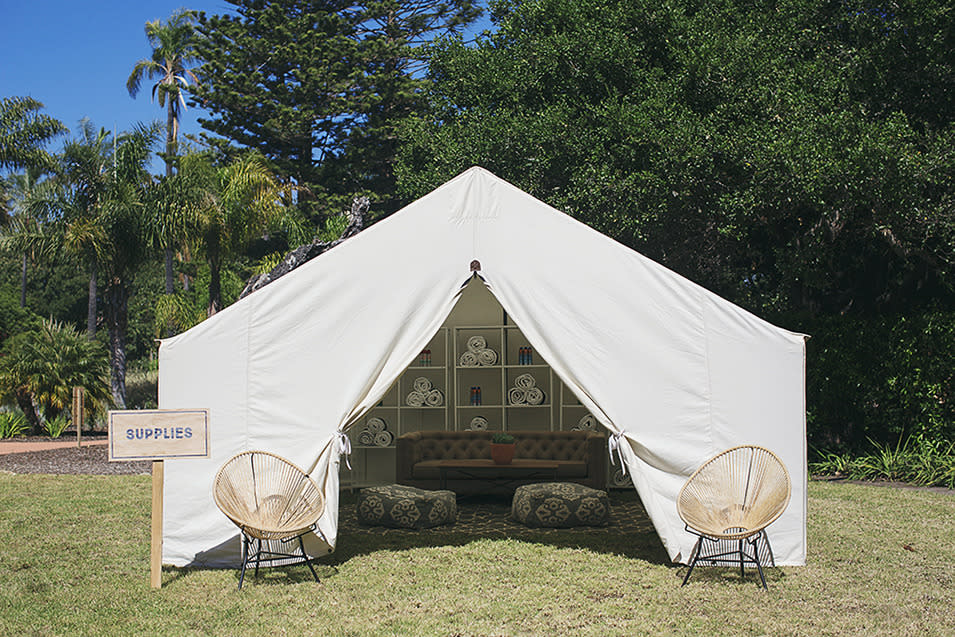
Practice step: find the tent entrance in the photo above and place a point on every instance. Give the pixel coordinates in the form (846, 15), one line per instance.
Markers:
(478, 371)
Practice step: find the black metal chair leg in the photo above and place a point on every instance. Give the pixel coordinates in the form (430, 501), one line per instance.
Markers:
(740, 548)
(695, 556)
(258, 556)
(308, 562)
(759, 567)
(245, 559)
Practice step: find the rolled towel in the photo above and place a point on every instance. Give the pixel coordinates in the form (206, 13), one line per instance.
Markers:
(434, 398)
(620, 479)
(477, 343)
(376, 424)
(535, 396)
(525, 381)
(487, 357)
(415, 399)
(587, 423)
(469, 359)
(366, 438)
(384, 438)
(479, 423)
(517, 396)
(422, 385)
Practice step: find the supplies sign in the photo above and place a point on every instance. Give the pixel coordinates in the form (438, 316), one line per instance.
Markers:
(158, 434)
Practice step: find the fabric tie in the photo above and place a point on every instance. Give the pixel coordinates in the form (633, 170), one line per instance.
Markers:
(344, 447)
(614, 443)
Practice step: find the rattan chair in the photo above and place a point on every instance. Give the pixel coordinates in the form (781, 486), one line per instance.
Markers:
(272, 502)
(729, 501)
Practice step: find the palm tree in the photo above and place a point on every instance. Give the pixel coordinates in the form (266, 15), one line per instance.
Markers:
(124, 224)
(172, 45)
(23, 133)
(86, 170)
(234, 203)
(42, 366)
(26, 232)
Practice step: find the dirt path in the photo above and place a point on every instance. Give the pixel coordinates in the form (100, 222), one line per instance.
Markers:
(24, 446)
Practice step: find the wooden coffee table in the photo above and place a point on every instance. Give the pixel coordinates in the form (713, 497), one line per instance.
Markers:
(497, 475)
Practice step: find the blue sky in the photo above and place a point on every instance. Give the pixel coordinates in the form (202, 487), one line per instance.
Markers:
(74, 56)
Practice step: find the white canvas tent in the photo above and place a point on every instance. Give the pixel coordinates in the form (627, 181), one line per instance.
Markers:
(674, 372)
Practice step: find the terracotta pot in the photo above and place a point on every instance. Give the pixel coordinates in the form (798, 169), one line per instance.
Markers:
(502, 453)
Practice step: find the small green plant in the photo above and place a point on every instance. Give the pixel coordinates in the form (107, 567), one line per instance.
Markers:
(501, 438)
(12, 425)
(55, 427)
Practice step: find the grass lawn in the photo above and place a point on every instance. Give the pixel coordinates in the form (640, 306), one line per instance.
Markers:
(75, 561)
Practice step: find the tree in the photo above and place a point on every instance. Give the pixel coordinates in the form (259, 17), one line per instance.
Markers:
(26, 231)
(317, 87)
(739, 145)
(173, 50)
(232, 204)
(392, 38)
(85, 173)
(42, 366)
(124, 223)
(24, 131)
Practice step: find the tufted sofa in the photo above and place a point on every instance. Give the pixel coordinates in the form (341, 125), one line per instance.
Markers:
(581, 456)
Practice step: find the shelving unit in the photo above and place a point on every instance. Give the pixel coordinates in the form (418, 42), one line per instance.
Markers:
(479, 315)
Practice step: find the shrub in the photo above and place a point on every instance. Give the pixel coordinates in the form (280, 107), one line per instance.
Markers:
(55, 427)
(12, 424)
(882, 379)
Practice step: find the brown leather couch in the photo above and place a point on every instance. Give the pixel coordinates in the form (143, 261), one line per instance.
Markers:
(581, 456)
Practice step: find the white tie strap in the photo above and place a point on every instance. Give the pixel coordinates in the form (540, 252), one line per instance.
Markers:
(614, 445)
(344, 447)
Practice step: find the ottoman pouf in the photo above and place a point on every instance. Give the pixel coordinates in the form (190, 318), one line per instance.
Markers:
(560, 505)
(401, 507)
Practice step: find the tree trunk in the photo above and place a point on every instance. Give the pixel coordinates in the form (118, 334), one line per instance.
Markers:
(171, 133)
(23, 281)
(215, 282)
(91, 306)
(25, 403)
(117, 315)
(170, 275)
(215, 289)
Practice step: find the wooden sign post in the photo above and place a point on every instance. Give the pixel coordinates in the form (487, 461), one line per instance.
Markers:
(158, 434)
(79, 400)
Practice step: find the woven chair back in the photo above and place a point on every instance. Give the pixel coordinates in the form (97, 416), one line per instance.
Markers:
(735, 494)
(267, 496)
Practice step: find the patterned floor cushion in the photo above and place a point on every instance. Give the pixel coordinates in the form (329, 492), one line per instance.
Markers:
(560, 505)
(401, 507)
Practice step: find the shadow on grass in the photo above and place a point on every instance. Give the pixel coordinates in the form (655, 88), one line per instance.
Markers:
(629, 533)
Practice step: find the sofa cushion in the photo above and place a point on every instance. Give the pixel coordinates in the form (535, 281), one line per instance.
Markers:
(430, 469)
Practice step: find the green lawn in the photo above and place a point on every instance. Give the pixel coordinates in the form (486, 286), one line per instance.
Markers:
(74, 561)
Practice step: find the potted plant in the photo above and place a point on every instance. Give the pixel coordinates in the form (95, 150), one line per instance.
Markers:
(502, 448)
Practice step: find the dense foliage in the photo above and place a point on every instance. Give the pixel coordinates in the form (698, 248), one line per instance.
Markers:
(755, 147)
